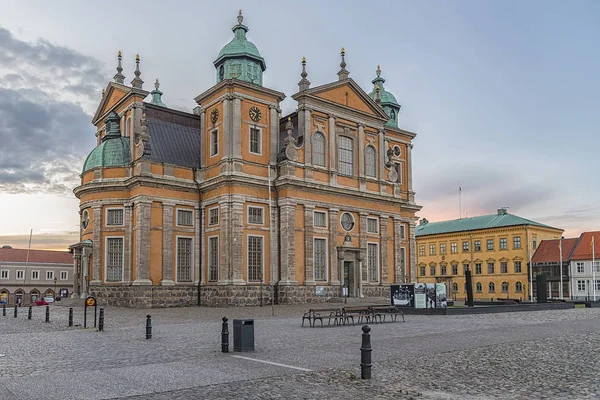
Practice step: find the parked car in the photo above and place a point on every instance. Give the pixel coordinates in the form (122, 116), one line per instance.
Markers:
(41, 302)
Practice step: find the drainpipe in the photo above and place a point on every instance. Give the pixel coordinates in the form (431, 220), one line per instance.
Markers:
(200, 225)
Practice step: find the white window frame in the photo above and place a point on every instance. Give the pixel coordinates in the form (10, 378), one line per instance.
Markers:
(20, 274)
(260, 141)
(314, 155)
(209, 216)
(376, 225)
(33, 273)
(262, 208)
(65, 274)
(596, 266)
(377, 274)
(106, 258)
(326, 258)
(580, 264)
(315, 212)
(581, 283)
(442, 248)
(402, 231)
(248, 258)
(177, 210)
(3, 272)
(213, 141)
(192, 254)
(49, 275)
(208, 259)
(454, 248)
(341, 171)
(106, 216)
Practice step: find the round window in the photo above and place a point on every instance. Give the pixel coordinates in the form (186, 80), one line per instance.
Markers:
(85, 219)
(347, 221)
(397, 151)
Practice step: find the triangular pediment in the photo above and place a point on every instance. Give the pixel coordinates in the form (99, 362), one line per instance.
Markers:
(346, 93)
(112, 95)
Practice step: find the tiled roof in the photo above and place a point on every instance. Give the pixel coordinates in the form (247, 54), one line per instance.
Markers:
(474, 223)
(583, 251)
(36, 256)
(173, 143)
(548, 251)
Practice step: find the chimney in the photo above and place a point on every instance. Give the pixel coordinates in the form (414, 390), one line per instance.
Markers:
(502, 211)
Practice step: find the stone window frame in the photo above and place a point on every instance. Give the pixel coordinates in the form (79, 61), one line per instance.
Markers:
(442, 248)
(184, 210)
(107, 211)
(342, 161)
(213, 141)
(478, 268)
(209, 259)
(20, 272)
(443, 269)
(432, 270)
(259, 142)
(371, 219)
(518, 287)
(432, 249)
(478, 287)
(49, 275)
(262, 215)
(516, 242)
(210, 216)
(454, 247)
(503, 243)
(504, 267)
(325, 266)
(402, 231)
(65, 274)
(106, 258)
(316, 154)
(477, 245)
(504, 288)
(490, 245)
(515, 267)
(491, 287)
(399, 169)
(4, 272)
(177, 237)
(491, 267)
(374, 268)
(315, 212)
(422, 270)
(455, 287)
(127, 127)
(465, 246)
(371, 161)
(262, 258)
(454, 269)
(422, 250)
(35, 275)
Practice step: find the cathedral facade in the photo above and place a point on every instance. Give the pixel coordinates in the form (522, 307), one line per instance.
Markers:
(236, 203)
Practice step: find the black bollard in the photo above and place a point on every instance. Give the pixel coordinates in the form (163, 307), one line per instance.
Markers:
(225, 336)
(365, 353)
(148, 327)
(4, 310)
(15, 311)
(47, 313)
(29, 313)
(70, 316)
(101, 320)
(469, 283)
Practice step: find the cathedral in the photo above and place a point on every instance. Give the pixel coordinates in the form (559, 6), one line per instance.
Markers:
(237, 204)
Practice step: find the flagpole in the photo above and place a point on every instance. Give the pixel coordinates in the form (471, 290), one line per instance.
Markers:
(27, 259)
(561, 270)
(593, 269)
(530, 270)
(459, 203)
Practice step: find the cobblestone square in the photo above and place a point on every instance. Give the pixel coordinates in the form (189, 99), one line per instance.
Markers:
(524, 355)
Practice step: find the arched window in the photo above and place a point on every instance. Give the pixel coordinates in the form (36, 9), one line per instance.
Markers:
(370, 158)
(492, 287)
(318, 149)
(504, 287)
(392, 115)
(128, 127)
(221, 73)
(455, 287)
(34, 295)
(519, 287)
(478, 287)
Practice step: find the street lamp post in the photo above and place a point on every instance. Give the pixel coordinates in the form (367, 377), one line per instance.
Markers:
(54, 287)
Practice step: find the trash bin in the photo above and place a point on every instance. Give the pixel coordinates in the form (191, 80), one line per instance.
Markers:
(243, 335)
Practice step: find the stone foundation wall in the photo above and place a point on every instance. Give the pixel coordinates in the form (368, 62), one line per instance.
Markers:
(145, 296)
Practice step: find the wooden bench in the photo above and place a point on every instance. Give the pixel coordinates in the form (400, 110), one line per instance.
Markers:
(318, 314)
(361, 313)
(383, 311)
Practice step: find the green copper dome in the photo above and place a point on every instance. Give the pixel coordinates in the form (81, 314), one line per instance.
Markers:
(114, 150)
(388, 102)
(240, 58)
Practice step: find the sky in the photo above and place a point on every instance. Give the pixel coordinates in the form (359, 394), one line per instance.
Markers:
(502, 94)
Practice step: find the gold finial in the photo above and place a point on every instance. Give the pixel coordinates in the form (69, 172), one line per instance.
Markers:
(378, 67)
(103, 91)
(240, 13)
(303, 59)
(377, 87)
(119, 54)
(290, 119)
(137, 57)
(343, 50)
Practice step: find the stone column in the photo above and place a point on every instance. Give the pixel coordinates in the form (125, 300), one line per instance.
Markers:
(226, 150)
(288, 254)
(411, 194)
(274, 230)
(361, 150)
(224, 243)
(413, 250)
(306, 133)
(204, 256)
(197, 243)
(382, 159)
(128, 243)
(85, 263)
(399, 272)
(98, 245)
(237, 239)
(362, 240)
(383, 247)
(332, 157)
(334, 264)
(76, 274)
(309, 278)
(142, 243)
(274, 133)
(167, 253)
(237, 127)
(203, 139)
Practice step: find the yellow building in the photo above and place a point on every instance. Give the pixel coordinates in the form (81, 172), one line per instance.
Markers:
(496, 248)
(234, 202)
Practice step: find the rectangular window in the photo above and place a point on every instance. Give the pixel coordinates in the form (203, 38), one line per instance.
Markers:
(534, 243)
(478, 269)
(504, 267)
(517, 267)
(114, 259)
(345, 155)
(503, 245)
(399, 171)
(213, 216)
(581, 285)
(490, 268)
(422, 250)
(402, 258)
(372, 225)
(185, 218)
(422, 271)
(580, 267)
(320, 259)
(478, 245)
(255, 141)
(517, 242)
(597, 285)
(4, 274)
(402, 231)
(255, 258)
(214, 142)
(184, 259)
(49, 275)
(465, 266)
(320, 219)
(490, 244)
(465, 247)
(114, 216)
(255, 215)
(454, 248)
(64, 275)
(35, 275)
(442, 248)
(213, 259)
(596, 266)
(432, 249)
(372, 262)
(21, 274)
(454, 269)
(432, 270)
(443, 270)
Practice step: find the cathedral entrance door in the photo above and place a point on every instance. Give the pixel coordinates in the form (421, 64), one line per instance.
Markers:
(349, 279)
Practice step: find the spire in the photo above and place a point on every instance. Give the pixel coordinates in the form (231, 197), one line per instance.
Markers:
(343, 74)
(240, 18)
(378, 81)
(137, 82)
(156, 95)
(240, 29)
(119, 77)
(304, 83)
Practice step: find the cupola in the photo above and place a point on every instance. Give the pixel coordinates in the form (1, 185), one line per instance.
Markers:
(385, 99)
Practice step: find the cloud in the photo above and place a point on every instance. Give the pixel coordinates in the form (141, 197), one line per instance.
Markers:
(45, 241)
